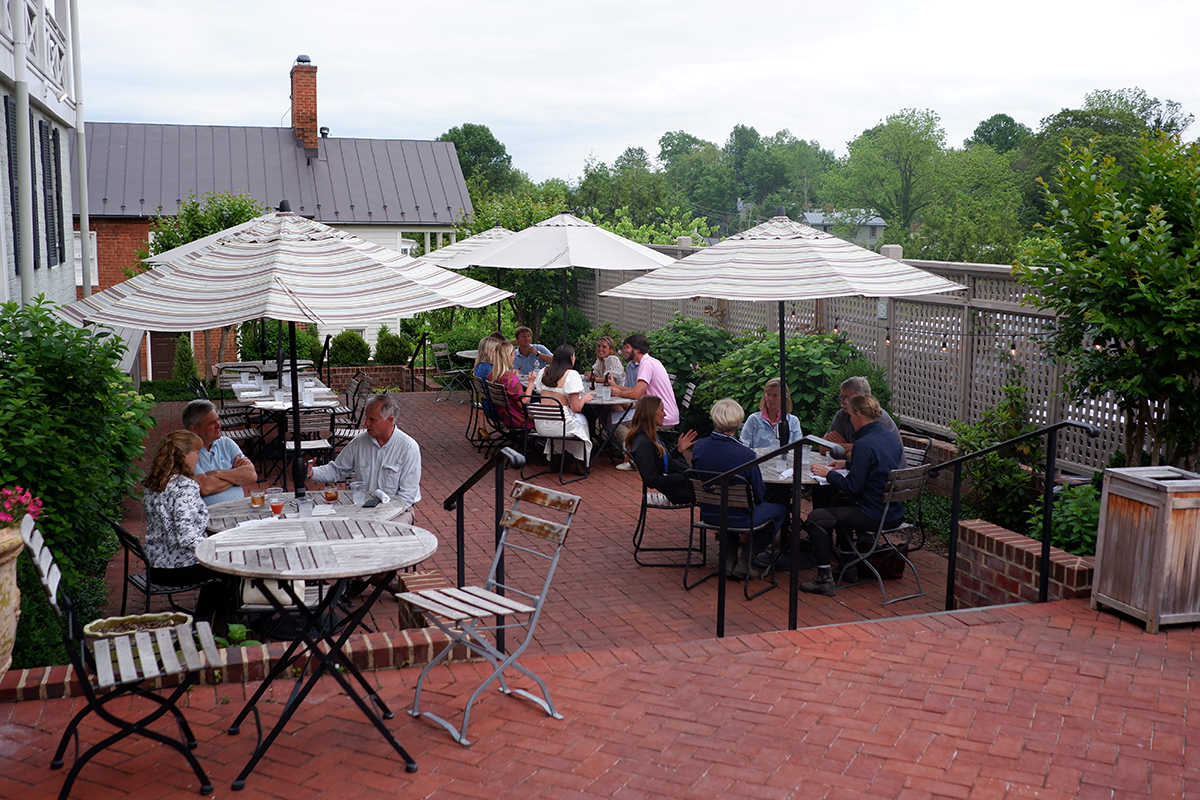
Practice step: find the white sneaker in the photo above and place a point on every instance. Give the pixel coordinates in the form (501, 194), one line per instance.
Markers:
(626, 466)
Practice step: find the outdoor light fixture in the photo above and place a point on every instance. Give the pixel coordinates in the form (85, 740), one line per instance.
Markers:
(61, 96)
(887, 337)
(945, 345)
(1012, 348)
(835, 326)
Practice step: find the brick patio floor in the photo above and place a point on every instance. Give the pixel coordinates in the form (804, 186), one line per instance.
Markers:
(1050, 701)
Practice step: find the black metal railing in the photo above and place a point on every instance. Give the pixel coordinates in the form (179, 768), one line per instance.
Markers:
(794, 578)
(1051, 434)
(324, 359)
(505, 458)
(422, 351)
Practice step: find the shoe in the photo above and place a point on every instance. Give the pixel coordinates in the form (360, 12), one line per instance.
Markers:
(827, 587)
(733, 567)
(764, 559)
(626, 466)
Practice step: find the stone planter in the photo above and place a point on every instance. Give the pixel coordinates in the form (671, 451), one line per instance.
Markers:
(10, 596)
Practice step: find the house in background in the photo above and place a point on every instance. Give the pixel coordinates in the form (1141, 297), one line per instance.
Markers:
(866, 225)
(35, 55)
(392, 192)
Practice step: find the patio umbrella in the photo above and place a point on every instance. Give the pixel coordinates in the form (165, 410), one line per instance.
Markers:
(470, 244)
(285, 267)
(783, 260)
(562, 242)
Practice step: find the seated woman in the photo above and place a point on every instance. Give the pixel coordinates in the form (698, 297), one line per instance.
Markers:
(177, 520)
(507, 376)
(721, 452)
(661, 469)
(560, 383)
(762, 429)
(607, 363)
(876, 454)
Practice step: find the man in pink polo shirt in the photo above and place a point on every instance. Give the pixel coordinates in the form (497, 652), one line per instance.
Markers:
(652, 379)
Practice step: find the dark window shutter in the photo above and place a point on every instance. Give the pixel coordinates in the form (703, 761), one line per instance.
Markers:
(58, 200)
(48, 203)
(33, 166)
(10, 127)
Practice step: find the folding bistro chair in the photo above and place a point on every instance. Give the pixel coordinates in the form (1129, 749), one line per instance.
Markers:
(915, 456)
(142, 581)
(903, 485)
(555, 414)
(116, 667)
(499, 418)
(741, 497)
(460, 613)
(656, 501)
(452, 379)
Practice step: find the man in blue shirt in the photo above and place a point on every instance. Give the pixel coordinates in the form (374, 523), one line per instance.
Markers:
(529, 356)
(222, 469)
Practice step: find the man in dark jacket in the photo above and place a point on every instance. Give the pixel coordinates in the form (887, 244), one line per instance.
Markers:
(876, 454)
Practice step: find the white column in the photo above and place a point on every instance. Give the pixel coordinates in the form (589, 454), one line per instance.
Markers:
(80, 150)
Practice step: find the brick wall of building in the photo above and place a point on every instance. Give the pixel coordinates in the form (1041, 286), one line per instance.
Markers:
(997, 566)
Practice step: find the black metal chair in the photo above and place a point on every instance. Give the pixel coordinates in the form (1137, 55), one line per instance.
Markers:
(915, 456)
(656, 501)
(126, 664)
(143, 581)
(904, 485)
(741, 498)
(452, 379)
(554, 415)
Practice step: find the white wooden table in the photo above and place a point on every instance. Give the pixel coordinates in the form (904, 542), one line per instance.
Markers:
(231, 513)
(772, 468)
(318, 549)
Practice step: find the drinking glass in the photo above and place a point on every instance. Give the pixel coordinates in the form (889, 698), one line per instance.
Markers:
(257, 498)
(305, 506)
(275, 498)
(358, 492)
(331, 493)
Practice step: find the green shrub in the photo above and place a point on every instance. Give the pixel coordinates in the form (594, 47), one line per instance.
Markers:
(585, 345)
(308, 344)
(830, 402)
(935, 509)
(551, 334)
(1074, 520)
(349, 349)
(684, 344)
(742, 373)
(185, 358)
(391, 348)
(73, 427)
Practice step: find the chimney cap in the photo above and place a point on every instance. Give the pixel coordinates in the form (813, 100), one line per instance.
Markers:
(324, 131)
(303, 59)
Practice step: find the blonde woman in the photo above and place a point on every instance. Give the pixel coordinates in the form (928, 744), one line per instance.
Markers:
(607, 363)
(507, 376)
(762, 428)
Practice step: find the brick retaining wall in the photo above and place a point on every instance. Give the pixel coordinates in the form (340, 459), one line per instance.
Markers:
(997, 566)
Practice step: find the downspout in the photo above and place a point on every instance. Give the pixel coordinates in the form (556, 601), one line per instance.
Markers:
(85, 238)
(16, 11)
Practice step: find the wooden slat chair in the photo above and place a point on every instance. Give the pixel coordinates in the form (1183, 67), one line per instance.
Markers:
(142, 581)
(461, 613)
(314, 433)
(452, 379)
(502, 433)
(741, 498)
(671, 437)
(556, 415)
(110, 669)
(348, 426)
(476, 425)
(244, 428)
(915, 456)
(904, 485)
(657, 502)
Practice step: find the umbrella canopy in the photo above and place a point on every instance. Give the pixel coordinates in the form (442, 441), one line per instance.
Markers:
(783, 260)
(284, 267)
(468, 245)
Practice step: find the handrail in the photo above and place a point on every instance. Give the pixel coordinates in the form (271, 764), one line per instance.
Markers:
(1051, 433)
(497, 463)
(837, 451)
(322, 360)
(412, 361)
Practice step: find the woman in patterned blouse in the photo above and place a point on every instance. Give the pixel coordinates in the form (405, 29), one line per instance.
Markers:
(176, 519)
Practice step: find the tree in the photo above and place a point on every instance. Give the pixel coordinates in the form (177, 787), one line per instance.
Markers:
(892, 169)
(194, 220)
(1121, 269)
(1133, 103)
(485, 161)
(631, 184)
(1000, 132)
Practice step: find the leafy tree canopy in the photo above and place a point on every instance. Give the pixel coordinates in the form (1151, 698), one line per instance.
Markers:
(1000, 132)
(484, 159)
(212, 213)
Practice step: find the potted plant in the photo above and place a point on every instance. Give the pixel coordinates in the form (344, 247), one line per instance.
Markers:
(15, 505)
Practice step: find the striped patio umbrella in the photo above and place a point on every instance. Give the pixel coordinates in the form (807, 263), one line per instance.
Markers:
(470, 244)
(562, 242)
(783, 260)
(283, 267)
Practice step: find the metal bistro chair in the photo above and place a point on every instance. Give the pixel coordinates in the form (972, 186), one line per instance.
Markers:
(914, 457)
(460, 613)
(111, 669)
(452, 379)
(348, 425)
(142, 581)
(741, 498)
(903, 485)
(556, 415)
(656, 501)
(503, 432)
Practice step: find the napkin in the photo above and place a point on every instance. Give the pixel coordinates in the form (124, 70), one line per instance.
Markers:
(383, 497)
(324, 511)
(786, 474)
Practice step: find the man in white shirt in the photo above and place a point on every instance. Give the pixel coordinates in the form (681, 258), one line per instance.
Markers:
(384, 457)
(222, 469)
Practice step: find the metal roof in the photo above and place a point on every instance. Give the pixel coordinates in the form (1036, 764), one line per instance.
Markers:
(134, 170)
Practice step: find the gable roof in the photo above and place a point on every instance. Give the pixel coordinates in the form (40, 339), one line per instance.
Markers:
(136, 170)
(860, 218)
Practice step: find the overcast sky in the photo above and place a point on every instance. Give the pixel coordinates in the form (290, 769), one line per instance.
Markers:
(558, 82)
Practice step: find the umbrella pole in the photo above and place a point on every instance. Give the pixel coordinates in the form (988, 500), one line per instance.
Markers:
(783, 395)
(564, 298)
(299, 468)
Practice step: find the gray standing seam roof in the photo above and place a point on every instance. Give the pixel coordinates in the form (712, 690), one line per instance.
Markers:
(134, 170)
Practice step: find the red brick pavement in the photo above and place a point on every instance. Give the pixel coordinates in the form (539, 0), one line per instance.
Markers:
(1051, 701)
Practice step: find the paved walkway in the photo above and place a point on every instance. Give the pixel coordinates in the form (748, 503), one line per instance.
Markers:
(1051, 701)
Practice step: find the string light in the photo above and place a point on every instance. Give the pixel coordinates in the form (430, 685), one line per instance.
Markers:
(945, 345)
(1012, 348)
(887, 338)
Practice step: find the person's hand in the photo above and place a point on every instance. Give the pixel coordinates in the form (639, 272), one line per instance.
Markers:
(831, 436)
(686, 441)
(310, 467)
(587, 398)
(820, 470)
(240, 461)
(837, 465)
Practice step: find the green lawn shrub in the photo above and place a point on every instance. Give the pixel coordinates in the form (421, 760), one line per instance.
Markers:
(349, 349)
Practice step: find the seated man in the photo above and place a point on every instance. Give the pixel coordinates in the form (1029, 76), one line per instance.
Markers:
(383, 457)
(222, 470)
(722, 452)
(650, 378)
(840, 428)
(529, 356)
(876, 453)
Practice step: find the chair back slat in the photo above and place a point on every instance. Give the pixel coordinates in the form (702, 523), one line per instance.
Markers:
(540, 495)
(905, 484)
(48, 572)
(740, 496)
(149, 659)
(535, 526)
(554, 412)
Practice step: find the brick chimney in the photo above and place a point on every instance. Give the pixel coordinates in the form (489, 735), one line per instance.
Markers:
(304, 102)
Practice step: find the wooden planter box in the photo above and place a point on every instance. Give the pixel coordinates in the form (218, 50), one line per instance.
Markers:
(1148, 546)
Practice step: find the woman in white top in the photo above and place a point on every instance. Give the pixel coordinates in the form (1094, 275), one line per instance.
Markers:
(607, 363)
(762, 429)
(560, 383)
